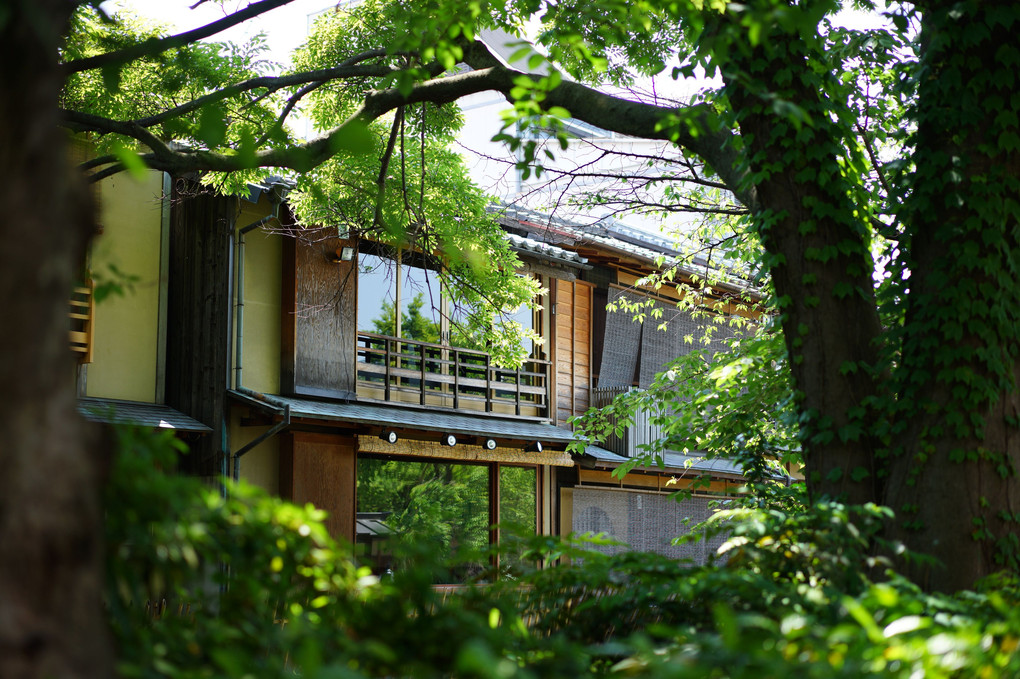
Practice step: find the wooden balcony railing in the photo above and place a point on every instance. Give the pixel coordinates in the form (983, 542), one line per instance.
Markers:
(400, 370)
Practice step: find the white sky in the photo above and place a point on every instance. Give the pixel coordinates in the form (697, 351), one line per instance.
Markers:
(287, 27)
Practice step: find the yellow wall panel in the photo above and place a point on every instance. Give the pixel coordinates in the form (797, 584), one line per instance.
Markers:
(126, 342)
(260, 466)
(262, 270)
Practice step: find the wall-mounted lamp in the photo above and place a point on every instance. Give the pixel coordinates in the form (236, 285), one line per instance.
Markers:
(489, 444)
(389, 436)
(448, 440)
(535, 447)
(342, 254)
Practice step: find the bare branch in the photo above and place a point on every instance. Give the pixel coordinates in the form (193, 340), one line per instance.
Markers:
(637, 119)
(869, 147)
(384, 165)
(86, 121)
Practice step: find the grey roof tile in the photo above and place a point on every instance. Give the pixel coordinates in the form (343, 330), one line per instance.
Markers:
(116, 411)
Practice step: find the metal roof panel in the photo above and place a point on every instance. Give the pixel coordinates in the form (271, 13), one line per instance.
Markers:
(428, 420)
(116, 411)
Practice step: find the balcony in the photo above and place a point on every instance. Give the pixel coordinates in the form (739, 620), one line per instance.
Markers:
(393, 370)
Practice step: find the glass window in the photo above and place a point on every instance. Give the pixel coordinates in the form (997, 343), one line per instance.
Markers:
(419, 304)
(526, 317)
(378, 296)
(442, 504)
(518, 512)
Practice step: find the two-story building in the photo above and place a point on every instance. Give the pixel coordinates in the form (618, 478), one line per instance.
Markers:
(275, 352)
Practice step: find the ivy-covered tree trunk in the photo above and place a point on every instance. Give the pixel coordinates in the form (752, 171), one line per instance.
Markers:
(51, 615)
(934, 435)
(953, 474)
(818, 259)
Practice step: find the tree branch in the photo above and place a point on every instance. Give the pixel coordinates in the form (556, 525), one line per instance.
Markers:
(620, 115)
(270, 83)
(635, 119)
(384, 166)
(154, 46)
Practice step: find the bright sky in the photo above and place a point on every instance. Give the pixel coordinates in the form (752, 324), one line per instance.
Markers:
(287, 26)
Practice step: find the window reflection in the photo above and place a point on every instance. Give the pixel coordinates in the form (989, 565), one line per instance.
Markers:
(426, 313)
(378, 296)
(444, 505)
(517, 513)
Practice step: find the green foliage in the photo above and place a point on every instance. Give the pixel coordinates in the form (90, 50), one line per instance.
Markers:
(440, 504)
(735, 404)
(112, 282)
(414, 324)
(255, 587)
(150, 87)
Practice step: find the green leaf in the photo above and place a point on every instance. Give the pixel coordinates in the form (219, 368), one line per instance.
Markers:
(131, 161)
(212, 127)
(357, 138)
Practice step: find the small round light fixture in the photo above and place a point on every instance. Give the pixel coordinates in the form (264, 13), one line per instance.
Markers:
(490, 444)
(535, 447)
(389, 436)
(448, 440)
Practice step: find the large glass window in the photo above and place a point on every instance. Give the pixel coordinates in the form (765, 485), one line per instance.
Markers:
(518, 512)
(422, 304)
(379, 297)
(445, 505)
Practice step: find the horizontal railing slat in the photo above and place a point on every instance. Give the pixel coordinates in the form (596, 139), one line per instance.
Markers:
(444, 372)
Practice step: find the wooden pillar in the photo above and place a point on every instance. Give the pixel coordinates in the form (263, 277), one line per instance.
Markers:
(321, 469)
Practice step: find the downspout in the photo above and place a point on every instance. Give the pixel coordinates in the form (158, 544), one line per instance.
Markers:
(272, 431)
(275, 198)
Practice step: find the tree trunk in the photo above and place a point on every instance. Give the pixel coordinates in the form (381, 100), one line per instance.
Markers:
(819, 261)
(51, 615)
(954, 467)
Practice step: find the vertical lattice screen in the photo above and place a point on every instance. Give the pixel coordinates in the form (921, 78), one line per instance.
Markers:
(621, 346)
(631, 346)
(645, 521)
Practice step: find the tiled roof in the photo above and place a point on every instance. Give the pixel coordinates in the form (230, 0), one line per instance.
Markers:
(115, 411)
(674, 462)
(545, 250)
(608, 234)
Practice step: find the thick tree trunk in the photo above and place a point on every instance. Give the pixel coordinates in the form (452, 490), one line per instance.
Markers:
(954, 471)
(819, 262)
(51, 619)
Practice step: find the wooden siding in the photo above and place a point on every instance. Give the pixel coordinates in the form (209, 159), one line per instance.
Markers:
(198, 317)
(572, 301)
(321, 469)
(319, 310)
